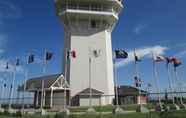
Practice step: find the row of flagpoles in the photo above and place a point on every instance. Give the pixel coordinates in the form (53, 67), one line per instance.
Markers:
(31, 58)
(175, 62)
(18, 62)
(119, 54)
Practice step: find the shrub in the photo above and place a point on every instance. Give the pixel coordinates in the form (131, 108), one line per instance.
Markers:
(18, 114)
(60, 115)
(6, 113)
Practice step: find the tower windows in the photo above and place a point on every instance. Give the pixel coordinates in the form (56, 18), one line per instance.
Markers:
(93, 24)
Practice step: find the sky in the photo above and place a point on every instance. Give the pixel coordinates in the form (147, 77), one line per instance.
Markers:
(30, 26)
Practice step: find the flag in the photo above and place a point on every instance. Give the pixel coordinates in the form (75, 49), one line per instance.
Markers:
(149, 85)
(7, 65)
(30, 59)
(17, 62)
(168, 60)
(137, 59)
(96, 53)
(71, 54)
(120, 54)
(137, 81)
(159, 58)
(4, 85)
(176, 62)
(48, 56)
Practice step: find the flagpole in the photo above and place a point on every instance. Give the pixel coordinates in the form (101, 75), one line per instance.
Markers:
(25, 83)
(116, 84)
(179, 86)
(12, 87)
(2, 94)
(137, 75)
(170, 83)
(65, 77)
(24, 89)
(156, 80)
(43, 82)
(90, 81)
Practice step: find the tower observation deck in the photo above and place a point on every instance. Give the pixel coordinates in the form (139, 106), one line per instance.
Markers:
(88, 25)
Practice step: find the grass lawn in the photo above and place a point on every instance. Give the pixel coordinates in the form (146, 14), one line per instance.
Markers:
(110, 108)
(176, 114)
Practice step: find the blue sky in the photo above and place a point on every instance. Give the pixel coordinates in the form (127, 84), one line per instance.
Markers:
(158, 25)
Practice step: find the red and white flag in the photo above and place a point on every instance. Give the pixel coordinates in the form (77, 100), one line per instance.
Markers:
(71, 54)
(176, 62)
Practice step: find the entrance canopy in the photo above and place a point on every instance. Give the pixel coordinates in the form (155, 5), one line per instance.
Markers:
(55, 82)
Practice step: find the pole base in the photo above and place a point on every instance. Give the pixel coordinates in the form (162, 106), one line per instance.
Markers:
(91, 111)
(10, 110)
(174, 107)
(118, 110)
(43, 112)
(182, 106)
(142, 109)
(66, 111)
(159, 108)
(2, 110)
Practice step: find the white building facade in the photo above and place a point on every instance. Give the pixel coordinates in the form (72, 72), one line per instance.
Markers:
(88, 25)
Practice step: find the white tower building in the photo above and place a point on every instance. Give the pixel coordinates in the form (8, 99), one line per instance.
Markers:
(88, 25)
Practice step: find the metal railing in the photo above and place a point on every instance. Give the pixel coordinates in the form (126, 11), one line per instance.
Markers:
(126, 102)
(88, 8)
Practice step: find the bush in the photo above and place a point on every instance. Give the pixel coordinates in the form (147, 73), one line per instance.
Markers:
(18, 114)
(60, 115)
(6, 113)
(48, 116)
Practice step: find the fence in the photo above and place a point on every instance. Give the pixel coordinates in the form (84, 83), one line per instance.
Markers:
(127, 102)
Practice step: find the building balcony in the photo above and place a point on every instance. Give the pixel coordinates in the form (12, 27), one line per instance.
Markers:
(84, 11)
(116, 3)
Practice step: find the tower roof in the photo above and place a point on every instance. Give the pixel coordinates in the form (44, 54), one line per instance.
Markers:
(87, 92)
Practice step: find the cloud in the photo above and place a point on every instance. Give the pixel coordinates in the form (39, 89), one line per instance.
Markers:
(8, 11)
(139, 28)
(181, 54)
(142, 52)
(3, 41)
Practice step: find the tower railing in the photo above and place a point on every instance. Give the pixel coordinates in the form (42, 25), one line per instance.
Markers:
(88, 8)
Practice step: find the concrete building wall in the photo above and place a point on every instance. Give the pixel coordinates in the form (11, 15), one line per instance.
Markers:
(84, 42)
(85, 101)
(85, 30)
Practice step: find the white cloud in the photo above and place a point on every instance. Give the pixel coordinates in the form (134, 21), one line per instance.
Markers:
(9, 10)
(142, 52)
(181, 54)
(139, 28)
(3, 40)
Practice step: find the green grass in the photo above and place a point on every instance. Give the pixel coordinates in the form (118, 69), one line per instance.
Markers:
(176, 114)
(110, 108)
